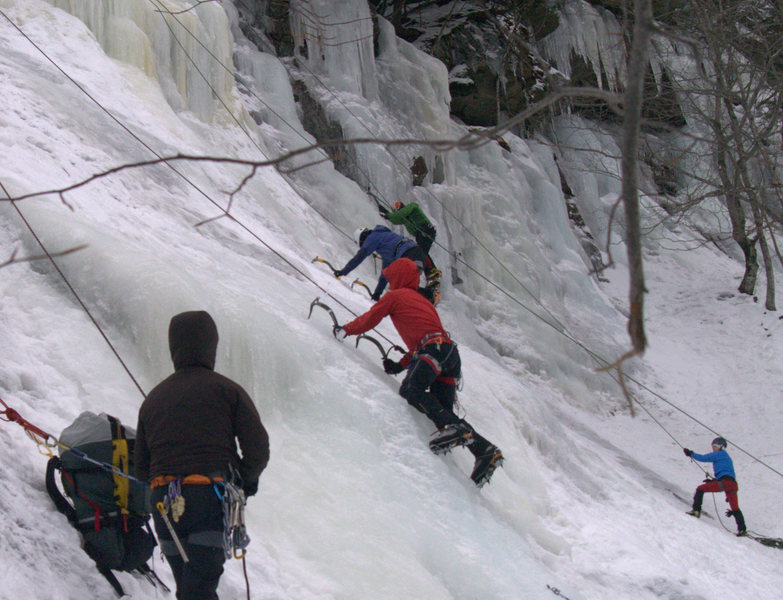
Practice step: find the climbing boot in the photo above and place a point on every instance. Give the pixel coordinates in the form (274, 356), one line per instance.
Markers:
(485, 466)
(450, 437)
(740, 519)
(694, 513)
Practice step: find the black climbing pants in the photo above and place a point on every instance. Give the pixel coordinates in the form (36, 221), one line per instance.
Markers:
(430, 386)
(425, 236)
(200, 529)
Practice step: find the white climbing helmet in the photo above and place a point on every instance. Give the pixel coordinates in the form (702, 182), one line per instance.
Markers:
(357, 235)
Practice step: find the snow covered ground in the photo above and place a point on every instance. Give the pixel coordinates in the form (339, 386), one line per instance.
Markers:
(589, 504)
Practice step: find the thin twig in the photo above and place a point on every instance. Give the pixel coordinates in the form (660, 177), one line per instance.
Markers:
(620, 378)
(13, 260)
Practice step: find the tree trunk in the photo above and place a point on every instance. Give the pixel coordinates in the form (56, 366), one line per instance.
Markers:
(632, 105)
(736, 212)
(769, 304)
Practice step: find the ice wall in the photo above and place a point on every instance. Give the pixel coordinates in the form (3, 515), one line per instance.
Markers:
(170, 40)
(336, 39)
(415, 90)
(401, 93)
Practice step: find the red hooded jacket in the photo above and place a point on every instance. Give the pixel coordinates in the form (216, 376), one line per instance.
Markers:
(411, 313)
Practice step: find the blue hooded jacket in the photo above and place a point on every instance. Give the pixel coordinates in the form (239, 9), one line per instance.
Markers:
(389, 245)
(721, 463)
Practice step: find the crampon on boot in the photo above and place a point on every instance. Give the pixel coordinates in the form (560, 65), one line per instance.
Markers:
(450, 437)
(694, 513)
(486, 464)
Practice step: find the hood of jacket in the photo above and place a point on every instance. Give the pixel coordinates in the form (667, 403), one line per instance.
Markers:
(402, 273)
(193, 339)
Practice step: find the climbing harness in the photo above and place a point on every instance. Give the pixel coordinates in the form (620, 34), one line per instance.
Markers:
(437, 338)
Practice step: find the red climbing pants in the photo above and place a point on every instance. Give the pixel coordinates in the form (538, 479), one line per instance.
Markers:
(728, 486)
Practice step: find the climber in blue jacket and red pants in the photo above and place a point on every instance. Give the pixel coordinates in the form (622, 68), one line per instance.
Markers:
(725, 481)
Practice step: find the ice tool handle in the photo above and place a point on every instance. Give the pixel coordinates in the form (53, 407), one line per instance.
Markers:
(384, 353)
(327, 263)
(163, 509)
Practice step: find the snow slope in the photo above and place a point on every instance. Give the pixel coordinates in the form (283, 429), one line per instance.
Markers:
(353, 505)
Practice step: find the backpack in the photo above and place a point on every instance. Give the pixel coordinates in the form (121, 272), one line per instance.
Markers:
(110, 511)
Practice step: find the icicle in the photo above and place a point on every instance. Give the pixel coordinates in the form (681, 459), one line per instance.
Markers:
(338, 40)
(160, 40)
(594, 35)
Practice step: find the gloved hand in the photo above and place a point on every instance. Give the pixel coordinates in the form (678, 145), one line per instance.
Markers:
(339, 272)
(687, 452)
(375, 297)
(392, 367)
(339, 333)
(250, 489)
(383, 211)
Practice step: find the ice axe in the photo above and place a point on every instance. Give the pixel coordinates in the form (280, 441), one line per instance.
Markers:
(384, 353)
(163, 510)
(364, 285)
(337, 330)
(327, 263)
(317, 302)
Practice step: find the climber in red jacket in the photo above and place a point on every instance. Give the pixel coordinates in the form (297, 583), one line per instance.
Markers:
(432, 362)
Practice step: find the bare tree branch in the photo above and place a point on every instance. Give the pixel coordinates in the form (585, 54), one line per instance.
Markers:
(620, 378)
(179, 12)
(14, 260)
(471, 140)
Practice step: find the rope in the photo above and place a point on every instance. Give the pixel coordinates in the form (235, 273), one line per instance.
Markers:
(73, 291)
(49, 442)
(247, 581)
(717, 512)
(43, 440)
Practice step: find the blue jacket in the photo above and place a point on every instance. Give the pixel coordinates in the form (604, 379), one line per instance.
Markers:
(721, 463)
(389, 245)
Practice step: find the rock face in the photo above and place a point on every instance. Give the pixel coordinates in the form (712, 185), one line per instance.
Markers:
(487, 47)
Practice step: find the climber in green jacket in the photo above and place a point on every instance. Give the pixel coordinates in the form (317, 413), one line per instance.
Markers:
(419, 226)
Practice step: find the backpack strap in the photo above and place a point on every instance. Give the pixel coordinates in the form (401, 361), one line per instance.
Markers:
(59, 500)
(120, 458)
(112, 579)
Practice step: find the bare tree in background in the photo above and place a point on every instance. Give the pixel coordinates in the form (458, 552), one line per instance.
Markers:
(738, 96)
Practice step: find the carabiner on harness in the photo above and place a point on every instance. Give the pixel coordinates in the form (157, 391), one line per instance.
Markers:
(235, 536)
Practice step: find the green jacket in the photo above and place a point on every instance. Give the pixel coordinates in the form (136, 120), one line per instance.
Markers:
(411, 216)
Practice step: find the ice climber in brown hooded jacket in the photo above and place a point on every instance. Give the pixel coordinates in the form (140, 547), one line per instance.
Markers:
(187, 435)
(432, 362)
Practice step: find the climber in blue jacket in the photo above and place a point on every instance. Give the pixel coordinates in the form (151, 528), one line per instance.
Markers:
(724, 481)
(389, 246)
